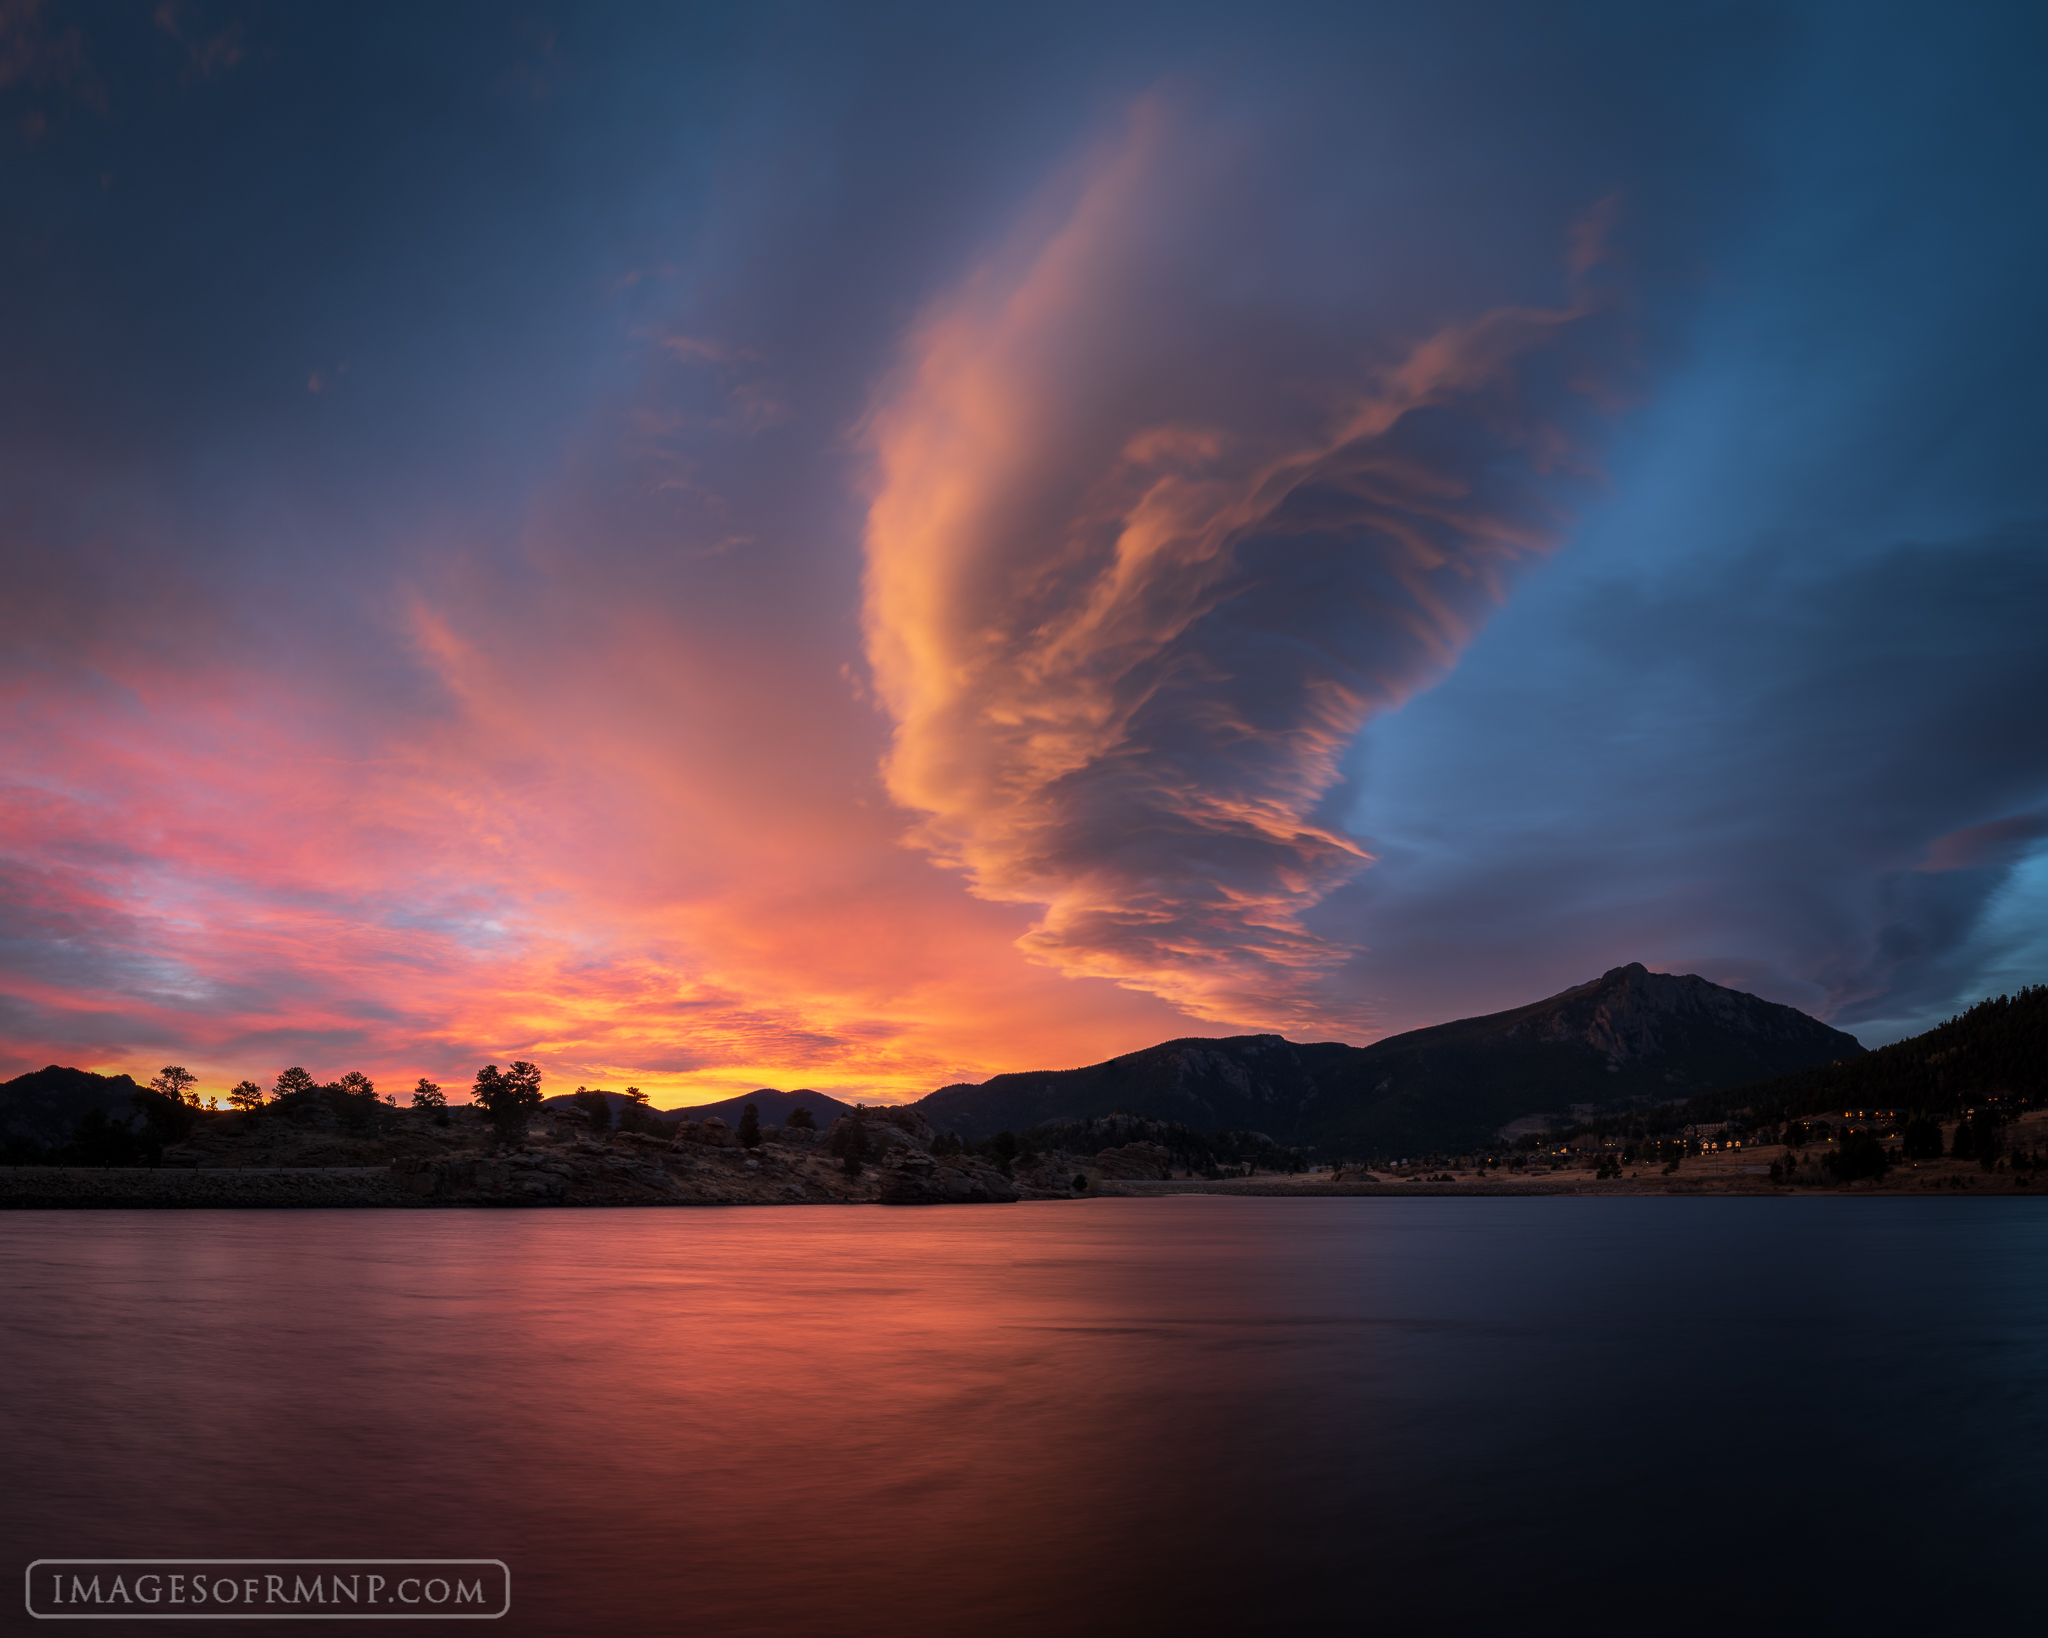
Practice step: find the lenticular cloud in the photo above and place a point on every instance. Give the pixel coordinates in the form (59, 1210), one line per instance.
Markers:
(1142, 562)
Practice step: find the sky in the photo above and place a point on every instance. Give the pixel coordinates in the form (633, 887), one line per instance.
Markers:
(868, 547)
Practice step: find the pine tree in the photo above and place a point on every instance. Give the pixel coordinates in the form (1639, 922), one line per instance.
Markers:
(176, 1083)
(509, 1097)
(750, 1127)
(849, 1141)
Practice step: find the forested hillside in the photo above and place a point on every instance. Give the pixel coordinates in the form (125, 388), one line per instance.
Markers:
(1999, 1048)
(1629, 1040)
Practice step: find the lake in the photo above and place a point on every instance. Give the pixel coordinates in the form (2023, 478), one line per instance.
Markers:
(1179, 1415)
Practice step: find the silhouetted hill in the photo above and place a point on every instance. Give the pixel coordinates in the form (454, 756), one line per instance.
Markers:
(1999, 1048)
(1257, 1083)
(44, 1105)
(1628, 1038)
(567, 1100)
(775, 1106)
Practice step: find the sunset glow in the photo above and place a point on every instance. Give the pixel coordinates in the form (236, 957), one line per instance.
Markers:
(686, 575)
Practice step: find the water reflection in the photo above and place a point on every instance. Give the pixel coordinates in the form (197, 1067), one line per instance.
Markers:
(1192, 1415)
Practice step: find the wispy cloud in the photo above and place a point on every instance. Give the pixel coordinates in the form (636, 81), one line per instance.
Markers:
(1135, 580)
(1994, 844)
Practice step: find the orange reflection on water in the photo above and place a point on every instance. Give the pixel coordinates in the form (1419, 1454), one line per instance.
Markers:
(770, 1420)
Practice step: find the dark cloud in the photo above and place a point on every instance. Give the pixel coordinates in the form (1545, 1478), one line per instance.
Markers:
(1756, 770)
(1995, 843)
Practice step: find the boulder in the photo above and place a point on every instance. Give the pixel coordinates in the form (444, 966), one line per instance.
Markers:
(887, 1129)
(913, 1127)
(712, 1132)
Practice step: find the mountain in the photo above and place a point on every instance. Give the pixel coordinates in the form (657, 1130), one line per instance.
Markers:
(1998, 1049)
(1630, 1037)
(1259, 1083)
(775, 1107)
(44, 1105)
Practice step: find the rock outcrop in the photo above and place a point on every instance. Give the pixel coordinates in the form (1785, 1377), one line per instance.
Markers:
(910, 1177)
(711, 1132)
(1134, 1161)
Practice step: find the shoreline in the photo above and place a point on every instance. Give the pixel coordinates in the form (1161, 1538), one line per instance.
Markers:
(80, 1188)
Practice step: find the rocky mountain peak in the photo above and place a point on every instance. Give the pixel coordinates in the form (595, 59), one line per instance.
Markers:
(1628, 1038)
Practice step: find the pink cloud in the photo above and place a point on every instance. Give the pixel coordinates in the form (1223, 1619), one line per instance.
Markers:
(645, 857)
(1997, 842)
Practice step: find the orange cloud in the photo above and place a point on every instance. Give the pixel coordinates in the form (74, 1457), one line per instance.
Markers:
(1129, 601)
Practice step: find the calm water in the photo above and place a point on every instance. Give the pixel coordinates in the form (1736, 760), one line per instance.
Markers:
(1192, 1415)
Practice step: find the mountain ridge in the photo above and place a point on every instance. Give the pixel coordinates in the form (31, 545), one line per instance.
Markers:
(774, 1105)
(1626, 1039)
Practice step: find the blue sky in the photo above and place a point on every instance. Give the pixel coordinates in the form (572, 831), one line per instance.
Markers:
(1798, 640)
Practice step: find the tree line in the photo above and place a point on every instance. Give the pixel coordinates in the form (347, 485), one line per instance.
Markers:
(1859, 1152)
(1204, 1154)
(176, 1085)
(1996, 1052)
(1997, 1049)
(166, 1111)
